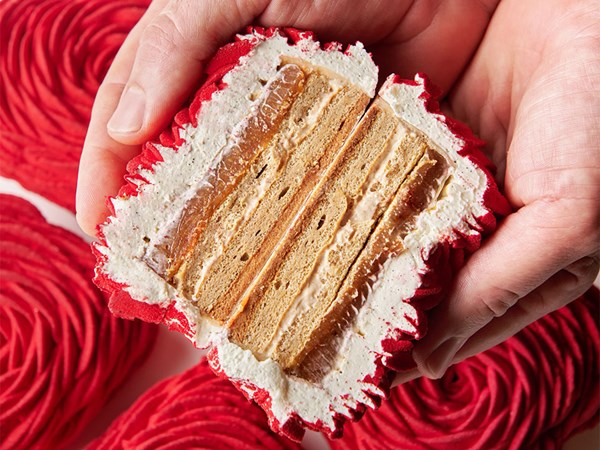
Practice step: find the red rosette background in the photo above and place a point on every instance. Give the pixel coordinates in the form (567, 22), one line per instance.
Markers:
(53, 56)
(533, 391)
(194, 409)
(62, 353)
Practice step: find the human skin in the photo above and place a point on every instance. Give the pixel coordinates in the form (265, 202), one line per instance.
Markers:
(524, 74)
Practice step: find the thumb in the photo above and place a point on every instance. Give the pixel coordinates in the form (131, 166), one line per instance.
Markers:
(168, 62)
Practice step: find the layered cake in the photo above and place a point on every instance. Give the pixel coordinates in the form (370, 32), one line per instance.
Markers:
(288, 218)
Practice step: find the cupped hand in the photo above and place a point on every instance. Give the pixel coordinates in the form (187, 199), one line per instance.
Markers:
(532, 91)
(525, 75)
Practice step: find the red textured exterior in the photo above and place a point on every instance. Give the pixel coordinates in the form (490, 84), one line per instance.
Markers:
(443, 261)
(535, 390)
(53, 56)
(194, 409)
(62, 353)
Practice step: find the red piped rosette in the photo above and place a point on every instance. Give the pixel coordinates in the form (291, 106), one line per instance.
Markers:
(442, 262)
(535, 390)
(62, 354)
(53, 57)
(194, 409)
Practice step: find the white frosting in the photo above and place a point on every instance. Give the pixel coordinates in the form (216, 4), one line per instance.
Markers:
(172, 183)
(384, 313)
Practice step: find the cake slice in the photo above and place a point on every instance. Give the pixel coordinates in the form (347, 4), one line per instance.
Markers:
(290, 219)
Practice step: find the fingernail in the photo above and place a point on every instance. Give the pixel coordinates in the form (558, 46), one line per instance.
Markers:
(129, 115)
(441, 358)
(403, 377)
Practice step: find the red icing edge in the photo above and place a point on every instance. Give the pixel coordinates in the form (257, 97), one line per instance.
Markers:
(442, 263)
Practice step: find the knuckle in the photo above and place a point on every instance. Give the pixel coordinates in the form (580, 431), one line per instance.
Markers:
(587, 230)
(585, 270)
(426, 367)
(110, 88)
(157, 39)
(431, 371)
(571, 226)
(572, 281)
(539, 303)
(173, 23)
(164, 35)
(496, 302)
(481, 301)
(583, 218)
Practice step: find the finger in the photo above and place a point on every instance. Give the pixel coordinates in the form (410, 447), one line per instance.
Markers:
(527, 249)
(168, 62)
(405, 377)
(103, 160)
(102, 164)
(559, 290)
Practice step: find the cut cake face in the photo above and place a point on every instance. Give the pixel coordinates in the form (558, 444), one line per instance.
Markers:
(288, 221)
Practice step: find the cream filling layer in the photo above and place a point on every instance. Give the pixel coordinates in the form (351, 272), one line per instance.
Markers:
(363, 211)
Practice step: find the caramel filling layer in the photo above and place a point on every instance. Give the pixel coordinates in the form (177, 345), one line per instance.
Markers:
(221, 180)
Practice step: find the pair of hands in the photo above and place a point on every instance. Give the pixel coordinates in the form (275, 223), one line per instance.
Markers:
(524, 74)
